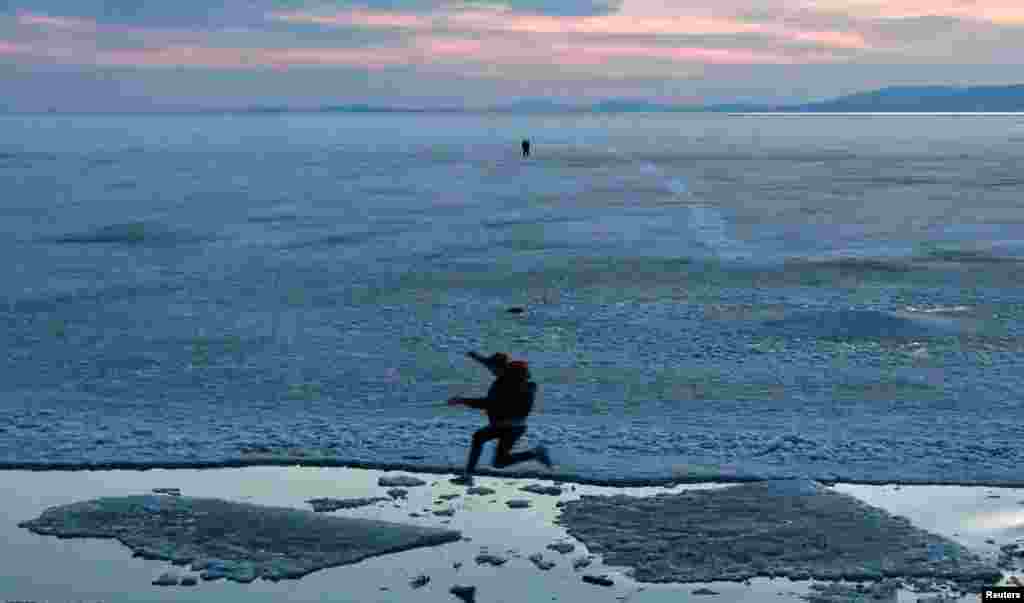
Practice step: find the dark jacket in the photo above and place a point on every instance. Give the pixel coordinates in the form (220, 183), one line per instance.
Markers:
(508, 399)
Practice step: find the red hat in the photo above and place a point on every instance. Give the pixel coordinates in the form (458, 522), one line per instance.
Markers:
(519, 365)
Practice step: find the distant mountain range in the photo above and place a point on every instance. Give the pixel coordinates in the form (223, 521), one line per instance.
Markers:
(931, 99)
(899, 99)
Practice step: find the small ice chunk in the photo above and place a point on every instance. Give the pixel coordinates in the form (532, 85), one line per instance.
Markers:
(213, 574)
(518, 504)
(400, 481)
(705, 591)
(580, 563)
(538, 560)
(467, 594)
(397, 493)
(419, 581)
(326, 505)
(492, 559)
(166, 579)
(562, 547)
(480, 491)
(189, 581)
(602, 580)
(539, 489)
(168, 491)
(445, 512)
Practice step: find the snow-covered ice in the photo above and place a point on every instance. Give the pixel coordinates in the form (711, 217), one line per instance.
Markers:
(968, 516)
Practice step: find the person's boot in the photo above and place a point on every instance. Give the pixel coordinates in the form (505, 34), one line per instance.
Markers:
(544, 457)
(465, 479)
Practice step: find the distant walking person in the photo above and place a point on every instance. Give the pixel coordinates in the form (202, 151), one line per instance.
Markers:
(509, 401)
(526, 148)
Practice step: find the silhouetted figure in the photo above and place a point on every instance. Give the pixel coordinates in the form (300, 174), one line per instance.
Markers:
(508, 402)
(526, 148)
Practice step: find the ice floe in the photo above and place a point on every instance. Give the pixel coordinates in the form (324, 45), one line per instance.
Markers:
(237, 541)
(789, 528)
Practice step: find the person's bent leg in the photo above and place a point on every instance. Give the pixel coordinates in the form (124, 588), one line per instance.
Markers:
(503, 455)
(480, 437)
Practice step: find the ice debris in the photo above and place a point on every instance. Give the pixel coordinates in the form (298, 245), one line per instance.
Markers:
(602, 580)
(419, 581)
(562, 547)
(166, 579)
(495, 560)
(467, 594)
(326, 505)
(539, 489)
(400, 481)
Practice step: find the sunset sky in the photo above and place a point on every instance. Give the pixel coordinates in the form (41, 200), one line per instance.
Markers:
(98, 55)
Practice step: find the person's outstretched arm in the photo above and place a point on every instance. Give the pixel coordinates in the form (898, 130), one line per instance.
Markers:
(479, 403)
(484, 360)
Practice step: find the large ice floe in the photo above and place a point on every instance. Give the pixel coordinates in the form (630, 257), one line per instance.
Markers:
(787, 528)
(237, 541)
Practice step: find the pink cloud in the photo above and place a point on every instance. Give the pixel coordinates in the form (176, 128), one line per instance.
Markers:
(495, 20)
(357, 18)
(453, 47)
(723, 56)
(12, 48)
(250, 58)
(995, 11)
(617, 24)
(832, 39)
(428, 49)
(37, 20)
(613, 24)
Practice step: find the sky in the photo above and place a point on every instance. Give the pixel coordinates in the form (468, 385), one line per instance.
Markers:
(114, 55)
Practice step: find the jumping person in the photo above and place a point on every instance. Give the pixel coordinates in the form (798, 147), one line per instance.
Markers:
(509, 400)
(526, 147)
